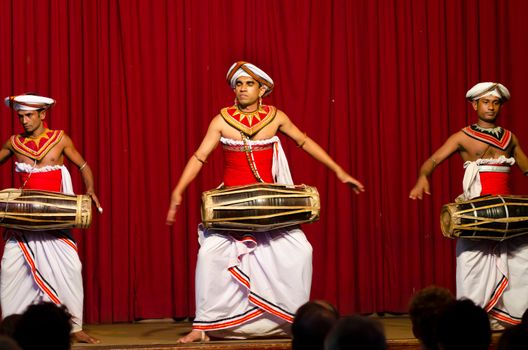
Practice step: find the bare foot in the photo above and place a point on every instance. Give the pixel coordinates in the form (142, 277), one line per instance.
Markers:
(83, 337)
(194, 336)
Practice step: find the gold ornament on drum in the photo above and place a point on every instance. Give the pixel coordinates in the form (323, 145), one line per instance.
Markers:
(259, 207)
(36, 210)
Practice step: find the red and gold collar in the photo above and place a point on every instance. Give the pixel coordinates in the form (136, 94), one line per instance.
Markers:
(249, 123)
(497, 137)
(36, 148)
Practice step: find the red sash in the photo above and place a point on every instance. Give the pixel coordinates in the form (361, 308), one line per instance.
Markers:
(494, 183)
(47, 181)
(237, 171)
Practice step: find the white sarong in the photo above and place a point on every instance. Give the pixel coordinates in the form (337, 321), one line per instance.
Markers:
(42, 266)
(252, 285)
(492, 274)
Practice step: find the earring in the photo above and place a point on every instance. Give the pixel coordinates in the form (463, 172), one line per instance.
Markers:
(260, 102)
(236, 102)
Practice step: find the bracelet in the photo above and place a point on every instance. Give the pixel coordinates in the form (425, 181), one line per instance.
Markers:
(83, 166)
(198, 159)
(300, 145)
(434, 163)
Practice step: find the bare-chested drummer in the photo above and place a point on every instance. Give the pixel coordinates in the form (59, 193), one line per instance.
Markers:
(43, 266)
(250, 286)
(492, 274)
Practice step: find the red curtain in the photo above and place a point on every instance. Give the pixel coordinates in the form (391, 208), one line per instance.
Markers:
(380, 84)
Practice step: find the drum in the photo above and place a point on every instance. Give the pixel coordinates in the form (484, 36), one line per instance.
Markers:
(259, 207)
(489, 217)
(43, 210)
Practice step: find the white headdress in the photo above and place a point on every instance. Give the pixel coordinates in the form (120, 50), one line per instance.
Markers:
(245, 69)
(481, 90)
(29, 102)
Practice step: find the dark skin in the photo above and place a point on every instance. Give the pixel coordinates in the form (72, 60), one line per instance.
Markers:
(470, 149)
(248, 91)
(33, 124)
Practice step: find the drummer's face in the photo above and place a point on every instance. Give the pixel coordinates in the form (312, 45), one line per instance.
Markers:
(248, 91)
(488, 108)
(31, 120)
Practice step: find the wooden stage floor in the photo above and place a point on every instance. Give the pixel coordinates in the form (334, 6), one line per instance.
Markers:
(162, 335)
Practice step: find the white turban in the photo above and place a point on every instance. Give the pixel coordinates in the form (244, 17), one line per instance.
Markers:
(245, 69)
(29, 102)
(488, 89)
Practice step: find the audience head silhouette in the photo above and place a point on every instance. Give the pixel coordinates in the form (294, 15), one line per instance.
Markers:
(311, 324)
(356, 332)
(44, 326)
(464, 326)
(424, 309)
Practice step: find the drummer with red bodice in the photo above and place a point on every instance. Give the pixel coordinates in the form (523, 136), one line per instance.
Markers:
(42, 266)
(493, 274)
(250, 285)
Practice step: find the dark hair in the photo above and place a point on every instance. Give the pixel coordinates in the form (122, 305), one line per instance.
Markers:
(8, 324)
(311, 323)
(464, 326)
(44, 326)
(356, 332)
(425, 308)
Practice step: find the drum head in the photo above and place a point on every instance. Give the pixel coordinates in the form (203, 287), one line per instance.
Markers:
(446, 221)
(10, 194)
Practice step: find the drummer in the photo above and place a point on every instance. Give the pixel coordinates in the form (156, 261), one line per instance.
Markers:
(250, 286)
(492, 274)
(53, 271)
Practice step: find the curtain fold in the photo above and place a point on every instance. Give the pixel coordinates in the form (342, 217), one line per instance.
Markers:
(379, 84)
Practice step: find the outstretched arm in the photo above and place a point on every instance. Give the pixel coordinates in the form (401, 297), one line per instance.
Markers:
(5, 152)
(86, 172)
(194, 165)
(312, 148)
(520, 157)
(422, 184)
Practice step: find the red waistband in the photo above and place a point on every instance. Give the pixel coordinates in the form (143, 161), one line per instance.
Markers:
(47, 181)
(494, 183)
(237, 171)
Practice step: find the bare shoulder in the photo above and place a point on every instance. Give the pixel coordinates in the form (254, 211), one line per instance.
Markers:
(515, 140)
(282, 118)
(66, 140)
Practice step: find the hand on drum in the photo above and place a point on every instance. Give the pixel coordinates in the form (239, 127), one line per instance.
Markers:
(96, 201)
(173, 208)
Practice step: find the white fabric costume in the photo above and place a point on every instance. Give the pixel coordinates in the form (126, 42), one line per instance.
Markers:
(42, 266)
(492, 274)
(251, 285)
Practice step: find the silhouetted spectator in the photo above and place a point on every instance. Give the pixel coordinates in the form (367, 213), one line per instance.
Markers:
(7, 343)
(425, 308)
(356, 332)
(464, 326)
(311, 324)
(44, 326)
(8, 324)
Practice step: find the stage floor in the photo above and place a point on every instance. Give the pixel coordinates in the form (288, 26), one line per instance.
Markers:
(162, 334)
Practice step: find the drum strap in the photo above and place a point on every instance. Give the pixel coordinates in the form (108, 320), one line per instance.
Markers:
(249, 156)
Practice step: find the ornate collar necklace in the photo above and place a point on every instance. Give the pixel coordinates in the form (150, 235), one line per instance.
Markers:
(497, 136)
(36, 147)
(248, 122)
(496, 131)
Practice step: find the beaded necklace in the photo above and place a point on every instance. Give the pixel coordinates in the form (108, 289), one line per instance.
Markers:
(250, 158)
